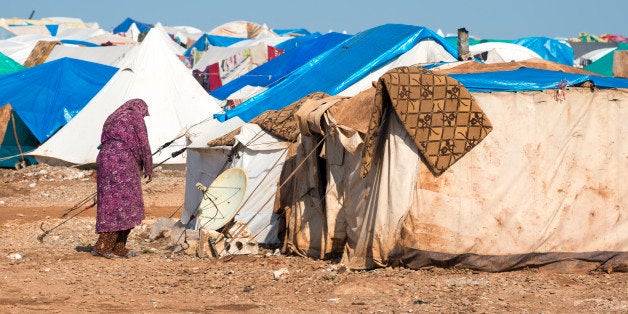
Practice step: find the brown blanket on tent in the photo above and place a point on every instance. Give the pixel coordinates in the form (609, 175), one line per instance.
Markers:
(40, 52)
(439, 114)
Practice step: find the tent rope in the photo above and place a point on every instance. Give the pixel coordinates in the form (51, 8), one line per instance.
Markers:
(17, 141)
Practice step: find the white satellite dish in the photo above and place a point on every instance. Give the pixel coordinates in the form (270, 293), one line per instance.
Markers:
(221, 199)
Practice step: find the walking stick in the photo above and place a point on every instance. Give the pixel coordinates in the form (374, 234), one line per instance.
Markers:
(46, 232)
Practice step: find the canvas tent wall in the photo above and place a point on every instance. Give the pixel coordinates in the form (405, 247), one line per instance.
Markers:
(343, 66)
(544, 187)
(150, 72)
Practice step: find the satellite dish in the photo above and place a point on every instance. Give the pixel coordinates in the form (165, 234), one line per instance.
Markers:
(221, 199)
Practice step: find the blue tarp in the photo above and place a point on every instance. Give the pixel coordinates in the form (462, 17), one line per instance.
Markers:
(52, 28)
(548, 48)
(275, 70)
(298, 31)
(79, 42)
(126, 24)
(295, 42)
(340, 67)
(47, 96)
(212, 40)
(527, 79)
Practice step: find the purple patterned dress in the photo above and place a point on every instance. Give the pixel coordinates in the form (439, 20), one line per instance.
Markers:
(124, 153)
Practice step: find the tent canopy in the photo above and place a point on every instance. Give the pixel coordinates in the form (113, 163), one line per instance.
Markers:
(49, 95)
(548, 49)
(126, 24)
(273, 71)
(340, 67)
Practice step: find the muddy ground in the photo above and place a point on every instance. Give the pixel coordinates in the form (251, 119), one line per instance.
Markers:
(58, 275)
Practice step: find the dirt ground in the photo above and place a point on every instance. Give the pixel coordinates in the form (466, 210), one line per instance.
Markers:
(58, 275)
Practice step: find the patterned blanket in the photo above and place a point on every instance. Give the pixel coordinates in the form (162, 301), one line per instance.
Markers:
(439, 114)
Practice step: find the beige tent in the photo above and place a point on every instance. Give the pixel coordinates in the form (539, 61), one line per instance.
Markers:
(516, 179)
(542, 188)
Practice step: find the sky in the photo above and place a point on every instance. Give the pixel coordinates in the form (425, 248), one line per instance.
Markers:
(494, 19)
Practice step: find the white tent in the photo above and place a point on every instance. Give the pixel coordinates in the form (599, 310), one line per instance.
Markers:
(109, 55)
(592, 56)
(19, 48)
(544, 187)
(150, 72)
(502, 52)
(262, 156)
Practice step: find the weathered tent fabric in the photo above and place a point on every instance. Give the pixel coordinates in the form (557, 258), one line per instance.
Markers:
(108, 55)
(273, 71)
(150, 72)
(314, 229)
(545, 187)
(49, 95)
(441, 116)
(340, 67)
(40, 52)
(527, 79)
(549, 49)
(15, 138)
(243, 29)
(474, 67)
(8, 65)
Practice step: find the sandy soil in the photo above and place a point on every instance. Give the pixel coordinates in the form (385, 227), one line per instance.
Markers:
(58, 275)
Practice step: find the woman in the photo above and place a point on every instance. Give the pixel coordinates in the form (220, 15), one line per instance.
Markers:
(124, 154)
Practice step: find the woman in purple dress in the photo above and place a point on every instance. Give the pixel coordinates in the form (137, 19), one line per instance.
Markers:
(124, 154)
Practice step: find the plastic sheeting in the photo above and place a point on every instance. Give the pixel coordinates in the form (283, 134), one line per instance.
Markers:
(527, 79)
(548, 49)
(340, 67)
(126, 24)
(275, 70)
(49, 95)
(8, 65)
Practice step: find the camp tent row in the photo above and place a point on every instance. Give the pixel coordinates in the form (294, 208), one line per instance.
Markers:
(490, 171)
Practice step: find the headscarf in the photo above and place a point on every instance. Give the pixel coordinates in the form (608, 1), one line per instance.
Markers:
(133, 106)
